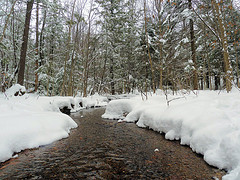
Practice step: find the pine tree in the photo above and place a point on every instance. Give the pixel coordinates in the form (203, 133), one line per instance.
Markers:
(112, 25)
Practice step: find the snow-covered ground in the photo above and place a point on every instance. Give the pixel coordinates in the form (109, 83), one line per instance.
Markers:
(209, 122)
(30, 121)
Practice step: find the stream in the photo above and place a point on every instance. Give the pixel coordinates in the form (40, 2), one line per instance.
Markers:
(105, 149)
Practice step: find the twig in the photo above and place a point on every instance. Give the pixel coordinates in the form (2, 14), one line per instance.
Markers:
(175, 99)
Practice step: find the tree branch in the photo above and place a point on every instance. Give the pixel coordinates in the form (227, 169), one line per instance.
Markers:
(218, 38)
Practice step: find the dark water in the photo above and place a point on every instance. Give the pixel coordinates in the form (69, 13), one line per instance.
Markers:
(103, 149)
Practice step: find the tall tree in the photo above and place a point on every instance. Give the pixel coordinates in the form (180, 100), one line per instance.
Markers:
(113, 21)
(37, 48)
(193, 50)
(148, 48)
(86, 64)
(70, 25)
(227, 65)
(25, 42)
(159, 7)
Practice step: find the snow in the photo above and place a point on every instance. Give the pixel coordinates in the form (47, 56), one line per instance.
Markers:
(118, 109)
(236, 5)
(200, 48)
(16, 88)
(163, 41)
(185, 40)
(207, 121)
(30, 121)
(93, 101)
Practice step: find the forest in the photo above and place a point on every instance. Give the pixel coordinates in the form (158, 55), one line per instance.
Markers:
(82, 47)
(169, 66)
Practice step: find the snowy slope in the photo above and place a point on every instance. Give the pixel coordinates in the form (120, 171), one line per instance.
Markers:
(208, 122)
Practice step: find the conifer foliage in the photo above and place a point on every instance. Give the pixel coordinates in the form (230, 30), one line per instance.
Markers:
(117, 46)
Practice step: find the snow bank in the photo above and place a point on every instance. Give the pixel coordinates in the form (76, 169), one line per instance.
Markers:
(118, 109)
(209, 123)
(29, 121)
(93, 101)
(73, 103)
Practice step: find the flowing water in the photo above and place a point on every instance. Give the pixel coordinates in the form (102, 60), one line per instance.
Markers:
(105, 149)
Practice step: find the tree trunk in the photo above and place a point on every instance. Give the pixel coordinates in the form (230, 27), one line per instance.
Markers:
(148, 49)
(86, 66)
(112, 83)
(227, 66)
(63, 90)
(112, 76)
(195, 74)
(36, 61)
(158, 4)
(14, 41)
(236, 45)
(42, 38)
(25, 42)
(204, 73)
(70, 83)
(103, 72)
(237, 68)
(217, 81)
(15, 65)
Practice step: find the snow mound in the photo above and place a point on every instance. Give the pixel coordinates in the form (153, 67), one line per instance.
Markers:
(118, 109)
(16, 90)
(94, 101)
(209, 123)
